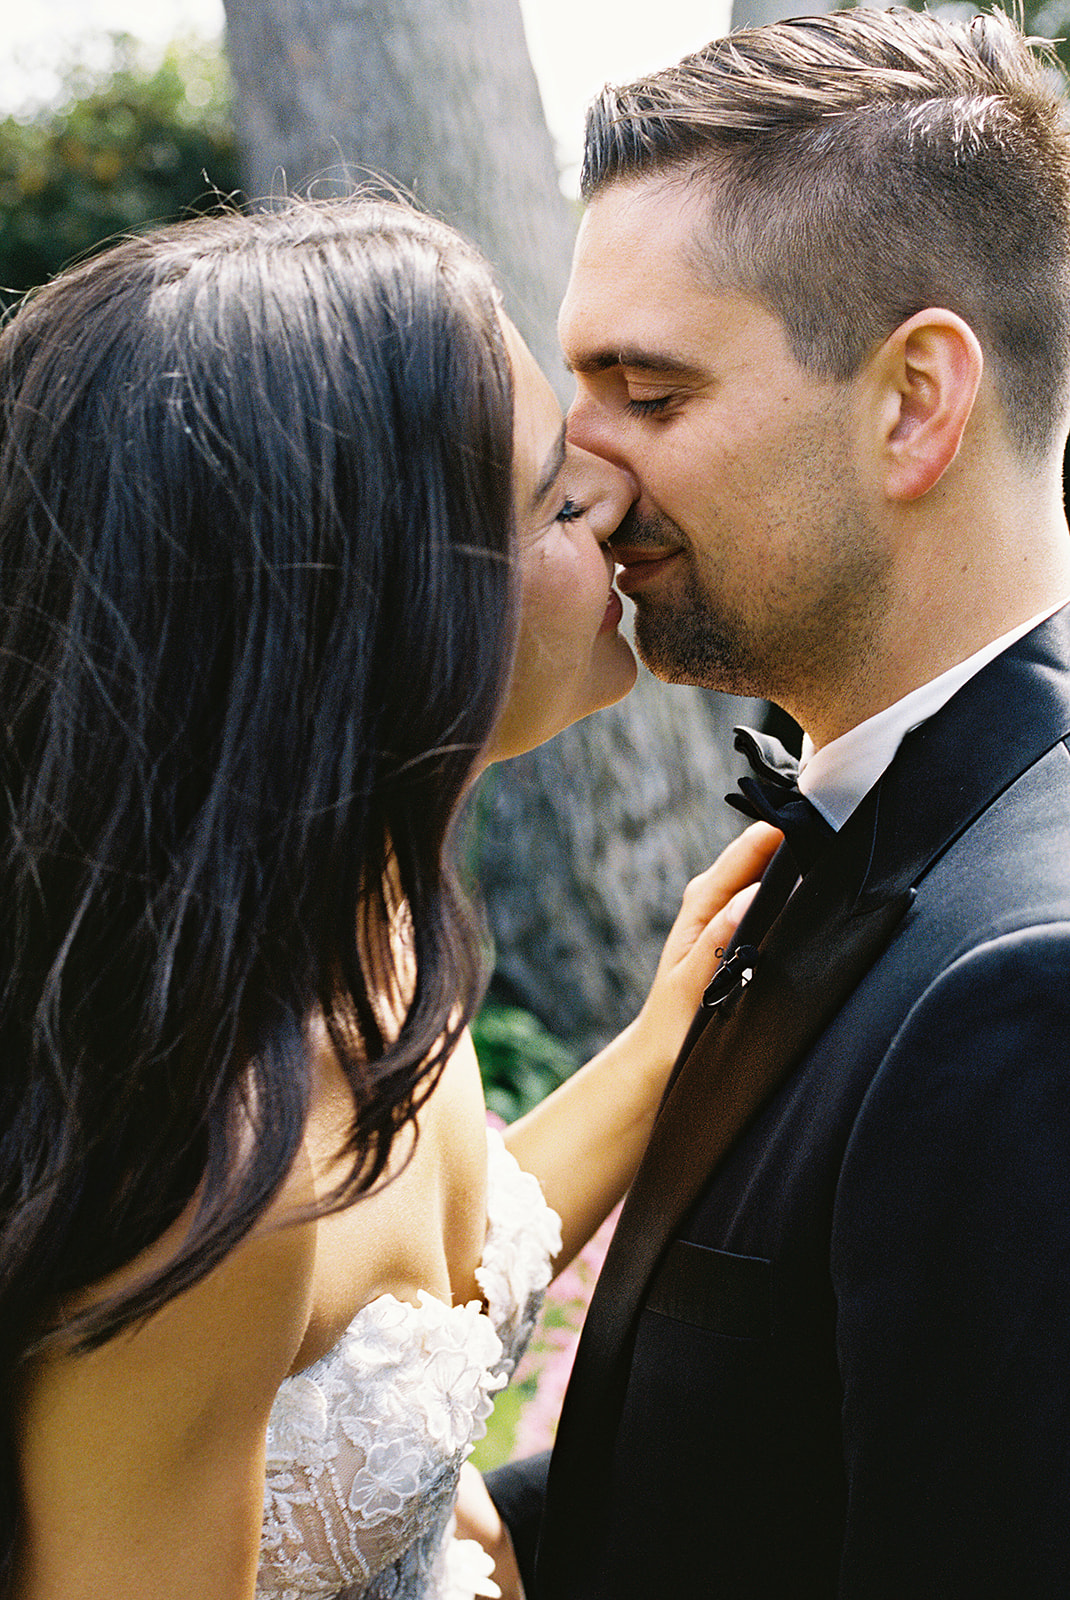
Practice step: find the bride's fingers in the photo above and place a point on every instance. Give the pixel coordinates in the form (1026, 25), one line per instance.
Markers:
(685, 972)
(718, 933)
(741, 862)
(708, 896)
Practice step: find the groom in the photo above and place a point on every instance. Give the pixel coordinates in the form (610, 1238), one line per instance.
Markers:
(820, 308)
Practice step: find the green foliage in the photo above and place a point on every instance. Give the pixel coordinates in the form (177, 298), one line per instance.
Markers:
(1042, 19)
(128, 145)
(520, 1060)
(1051, 22)
(496, 1447)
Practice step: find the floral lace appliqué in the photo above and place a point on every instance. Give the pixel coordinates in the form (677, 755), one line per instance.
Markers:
(365, 1446)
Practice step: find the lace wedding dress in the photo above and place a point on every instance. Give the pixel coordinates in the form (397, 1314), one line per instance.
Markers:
(364, 1447)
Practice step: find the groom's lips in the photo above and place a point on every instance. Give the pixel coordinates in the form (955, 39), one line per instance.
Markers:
(639, 567)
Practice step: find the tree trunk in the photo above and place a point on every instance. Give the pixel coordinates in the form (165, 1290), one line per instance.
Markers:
(437, 96)
(585, 845)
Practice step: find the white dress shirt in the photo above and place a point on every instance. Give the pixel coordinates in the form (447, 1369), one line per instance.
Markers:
(836, 777)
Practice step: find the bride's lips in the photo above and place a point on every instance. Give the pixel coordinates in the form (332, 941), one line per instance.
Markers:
(614, 613)
(638, 567)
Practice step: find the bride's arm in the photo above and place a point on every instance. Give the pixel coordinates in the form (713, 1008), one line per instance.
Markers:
(584, 1141)
(142, 1461)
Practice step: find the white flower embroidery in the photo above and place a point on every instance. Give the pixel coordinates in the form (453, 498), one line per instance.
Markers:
(364, 1448)
(393, 1470)
(298, 1417)
(467, 1570)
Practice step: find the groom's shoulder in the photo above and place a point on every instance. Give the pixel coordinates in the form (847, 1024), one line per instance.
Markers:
(1017, 848)
(1004, 874)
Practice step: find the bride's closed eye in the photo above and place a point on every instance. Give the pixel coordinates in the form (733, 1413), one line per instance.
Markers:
(571, 511)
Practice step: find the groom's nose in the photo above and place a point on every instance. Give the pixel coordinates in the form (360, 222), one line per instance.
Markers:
(591, 427)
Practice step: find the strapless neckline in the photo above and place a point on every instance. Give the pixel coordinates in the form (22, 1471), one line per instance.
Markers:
(364, 1446)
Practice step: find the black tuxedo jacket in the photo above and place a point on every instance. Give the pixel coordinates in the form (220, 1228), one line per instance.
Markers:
(829, 1354)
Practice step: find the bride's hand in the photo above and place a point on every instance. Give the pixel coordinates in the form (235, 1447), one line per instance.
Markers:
(478, 1518)
(585, 1141)
(712, 908)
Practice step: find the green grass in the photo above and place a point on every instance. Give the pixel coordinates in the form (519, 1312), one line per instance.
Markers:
(497, 1446)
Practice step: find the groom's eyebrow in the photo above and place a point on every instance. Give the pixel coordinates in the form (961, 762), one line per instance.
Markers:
(635, 359)
(551, 467)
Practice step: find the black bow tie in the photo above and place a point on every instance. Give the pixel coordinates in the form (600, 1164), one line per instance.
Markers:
(772, 795)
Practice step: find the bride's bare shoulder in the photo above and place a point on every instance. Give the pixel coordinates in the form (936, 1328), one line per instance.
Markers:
(153, 1442)
(422, 1226)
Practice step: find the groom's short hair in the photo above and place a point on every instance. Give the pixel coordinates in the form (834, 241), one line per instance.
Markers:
(863, 166)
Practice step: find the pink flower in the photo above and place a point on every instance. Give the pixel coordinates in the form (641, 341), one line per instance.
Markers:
(550, 1355)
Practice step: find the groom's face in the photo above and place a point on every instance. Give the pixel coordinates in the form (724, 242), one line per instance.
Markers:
(749, 551)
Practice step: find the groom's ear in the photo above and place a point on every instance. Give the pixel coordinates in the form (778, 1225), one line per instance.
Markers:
(924, 380)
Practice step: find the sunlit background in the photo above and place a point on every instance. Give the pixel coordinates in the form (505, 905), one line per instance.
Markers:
(575, 46)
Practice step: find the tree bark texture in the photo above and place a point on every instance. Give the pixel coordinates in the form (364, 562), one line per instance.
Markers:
(585, 845)
(438, 97)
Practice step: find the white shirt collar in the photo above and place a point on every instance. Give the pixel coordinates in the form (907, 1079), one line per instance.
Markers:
(836, 777)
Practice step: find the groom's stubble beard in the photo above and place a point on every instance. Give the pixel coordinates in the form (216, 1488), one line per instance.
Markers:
(683, 632)
(793, 631)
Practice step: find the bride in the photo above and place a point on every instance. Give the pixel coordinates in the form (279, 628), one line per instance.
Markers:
(293, 543)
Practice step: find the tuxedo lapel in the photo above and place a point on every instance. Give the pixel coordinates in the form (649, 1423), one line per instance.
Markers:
(737, 1061)
(948, 771)
(812, 957)
(812, 952)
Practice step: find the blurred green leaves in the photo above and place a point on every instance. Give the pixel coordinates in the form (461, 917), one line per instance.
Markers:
(1051, 22)
(128, 143)
(520, 1060)
(1050, 19)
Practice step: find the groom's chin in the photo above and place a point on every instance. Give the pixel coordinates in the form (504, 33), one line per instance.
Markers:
(681, 650)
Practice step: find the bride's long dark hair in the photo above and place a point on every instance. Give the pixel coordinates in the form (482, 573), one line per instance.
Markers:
(255, 619)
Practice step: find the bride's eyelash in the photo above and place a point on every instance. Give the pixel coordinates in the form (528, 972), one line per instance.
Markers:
(571, 511)
(648, 408)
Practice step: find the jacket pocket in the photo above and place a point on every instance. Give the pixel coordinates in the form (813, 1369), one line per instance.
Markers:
(725, 1294)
